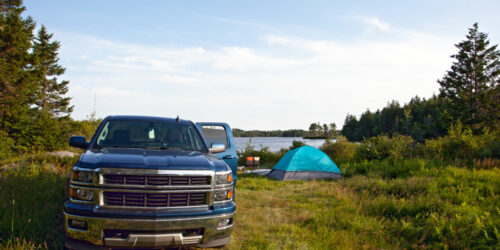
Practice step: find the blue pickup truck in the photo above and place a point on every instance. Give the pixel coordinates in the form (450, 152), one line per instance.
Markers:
(151, 182)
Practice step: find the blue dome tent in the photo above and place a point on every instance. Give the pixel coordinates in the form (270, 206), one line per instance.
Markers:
(305, 163)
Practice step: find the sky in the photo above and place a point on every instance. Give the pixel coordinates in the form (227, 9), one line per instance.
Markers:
(255, 64)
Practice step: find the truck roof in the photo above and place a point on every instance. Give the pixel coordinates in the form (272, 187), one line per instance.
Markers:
(147, 118)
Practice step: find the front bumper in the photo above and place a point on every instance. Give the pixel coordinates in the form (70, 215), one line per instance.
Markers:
(150, 233)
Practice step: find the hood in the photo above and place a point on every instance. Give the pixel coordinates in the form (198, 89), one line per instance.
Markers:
(150, 159)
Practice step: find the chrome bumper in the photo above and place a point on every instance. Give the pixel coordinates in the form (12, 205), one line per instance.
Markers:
(148, 238)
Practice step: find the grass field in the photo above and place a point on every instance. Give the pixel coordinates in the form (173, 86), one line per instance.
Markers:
(409, 204)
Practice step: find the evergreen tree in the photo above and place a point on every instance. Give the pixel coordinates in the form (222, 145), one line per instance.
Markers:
(391, 119)
(50, 95)
(16, 86)
(471, 86)
(366, 125)
(350, 128)
(424, 118)
(34, 113)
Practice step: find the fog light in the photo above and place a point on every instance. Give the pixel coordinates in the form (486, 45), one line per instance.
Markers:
(225, 222)
(220, 195)
(82, 194)
(77, 224)
(223, 195)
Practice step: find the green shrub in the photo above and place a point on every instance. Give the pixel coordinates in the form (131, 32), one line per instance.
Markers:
(86, 127)
(383, 147)
(297, 144)
(458, 143)
(491, 145)
(461, 143)
(341, 150)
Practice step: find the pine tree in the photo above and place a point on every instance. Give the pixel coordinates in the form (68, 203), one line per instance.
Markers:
(471, 86)
(366, 125)
(50, 95)
(350, 127)
(16, 86)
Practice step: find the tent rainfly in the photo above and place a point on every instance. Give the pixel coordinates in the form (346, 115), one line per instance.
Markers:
(305, 163)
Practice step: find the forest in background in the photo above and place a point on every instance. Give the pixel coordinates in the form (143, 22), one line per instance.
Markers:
(469, 94)
(461, 122)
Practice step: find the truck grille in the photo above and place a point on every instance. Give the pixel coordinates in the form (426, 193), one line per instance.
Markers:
(156, 180)
(154, 199)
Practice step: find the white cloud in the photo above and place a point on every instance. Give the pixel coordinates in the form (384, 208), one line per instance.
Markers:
(375, 22)
(288, 82)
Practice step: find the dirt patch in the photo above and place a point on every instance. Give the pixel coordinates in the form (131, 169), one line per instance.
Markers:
(62, 154)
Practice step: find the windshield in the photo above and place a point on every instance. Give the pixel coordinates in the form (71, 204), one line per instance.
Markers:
(154, 135)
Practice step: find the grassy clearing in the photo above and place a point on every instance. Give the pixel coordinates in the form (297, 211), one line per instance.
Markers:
(430, 205)
(409, 204)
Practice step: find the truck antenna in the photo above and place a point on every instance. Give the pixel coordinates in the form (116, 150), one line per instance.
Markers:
(95, 100)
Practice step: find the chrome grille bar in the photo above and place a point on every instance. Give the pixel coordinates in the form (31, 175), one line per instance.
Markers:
(129, 199)
(156, 180)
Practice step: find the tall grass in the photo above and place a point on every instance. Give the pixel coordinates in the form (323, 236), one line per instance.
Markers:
(382, 204)
(412, 203)
(31, 201)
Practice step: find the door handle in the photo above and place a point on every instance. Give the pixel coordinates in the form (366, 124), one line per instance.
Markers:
(228, 157)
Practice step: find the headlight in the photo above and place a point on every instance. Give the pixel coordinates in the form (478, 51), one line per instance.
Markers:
(223, 195)
(82, 176)
(221, 179)
(83, 194)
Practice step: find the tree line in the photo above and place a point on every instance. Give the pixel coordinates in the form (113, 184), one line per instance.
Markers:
(269, 133)
(469, 94)
(316, 130)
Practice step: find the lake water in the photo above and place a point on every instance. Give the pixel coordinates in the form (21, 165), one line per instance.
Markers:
(274, 143)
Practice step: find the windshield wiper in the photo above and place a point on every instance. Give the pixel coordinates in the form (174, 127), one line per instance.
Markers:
(164, 148)
(116, 146)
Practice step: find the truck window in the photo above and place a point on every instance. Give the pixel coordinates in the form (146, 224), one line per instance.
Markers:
(144, 134)
(215, 134)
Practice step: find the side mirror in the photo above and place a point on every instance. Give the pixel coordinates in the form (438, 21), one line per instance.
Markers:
(217, 148)
(78, 142)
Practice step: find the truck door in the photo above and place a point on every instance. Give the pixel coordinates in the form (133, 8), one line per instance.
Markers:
(215, 132)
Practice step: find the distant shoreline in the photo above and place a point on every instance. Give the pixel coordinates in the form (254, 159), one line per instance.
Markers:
(282, 133)
(303, 137)
(315, 137)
